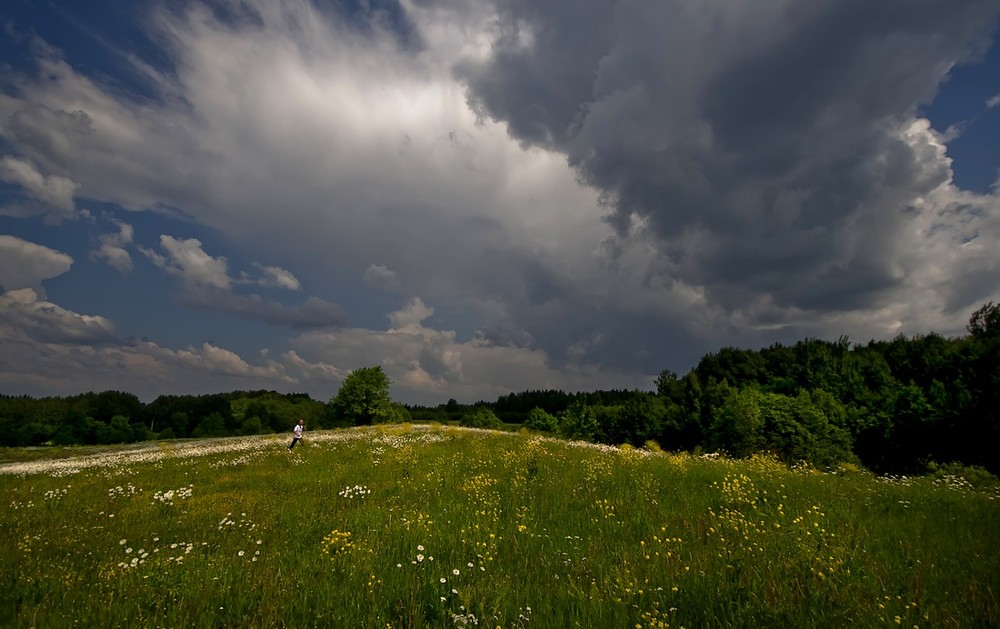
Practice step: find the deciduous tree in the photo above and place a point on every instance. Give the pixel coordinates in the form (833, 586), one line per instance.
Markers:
(363, 397)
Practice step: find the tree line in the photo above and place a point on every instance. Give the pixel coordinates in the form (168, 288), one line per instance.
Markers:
(894, 406)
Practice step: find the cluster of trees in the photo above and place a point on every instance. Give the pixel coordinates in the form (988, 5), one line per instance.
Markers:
(895, 406)
(117, 417)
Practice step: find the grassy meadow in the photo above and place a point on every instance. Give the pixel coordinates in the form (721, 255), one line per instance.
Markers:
(431, 526)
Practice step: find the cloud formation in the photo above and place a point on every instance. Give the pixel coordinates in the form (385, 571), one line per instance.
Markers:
(381, 276)
(25, 264)
(771, 151)
(24, 313)
(206, 284)
(591, 192)
(185, 258)
(53, 194)
(112, 247)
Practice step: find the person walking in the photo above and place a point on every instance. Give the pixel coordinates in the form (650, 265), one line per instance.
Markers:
(297, 433)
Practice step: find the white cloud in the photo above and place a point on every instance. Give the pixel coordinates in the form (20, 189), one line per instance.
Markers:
(409, 318)
(24, 312)
(993, 101)
(54, 192)
(381, 276)
(425, 364)
(47, 349)
(55, 367)
(206, 284)
(25, 264)
(276, 277)
(112, 248)
(186, 259)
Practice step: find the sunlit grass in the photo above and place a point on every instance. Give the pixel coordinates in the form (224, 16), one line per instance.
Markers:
(410, 526)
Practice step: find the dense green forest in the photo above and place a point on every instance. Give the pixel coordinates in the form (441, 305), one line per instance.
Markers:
(899, 406)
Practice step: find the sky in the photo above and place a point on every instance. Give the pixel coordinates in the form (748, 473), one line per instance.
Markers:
(483, 196)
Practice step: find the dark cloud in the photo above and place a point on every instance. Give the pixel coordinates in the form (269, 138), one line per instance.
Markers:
(763, 146)
(502, 336)
(312, 313)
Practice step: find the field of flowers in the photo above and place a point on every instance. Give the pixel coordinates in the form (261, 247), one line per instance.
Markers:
(430, 526)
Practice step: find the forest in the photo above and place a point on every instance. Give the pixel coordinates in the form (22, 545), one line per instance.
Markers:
(902, 406)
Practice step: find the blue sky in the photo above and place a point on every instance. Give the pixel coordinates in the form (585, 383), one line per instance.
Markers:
(482, 196)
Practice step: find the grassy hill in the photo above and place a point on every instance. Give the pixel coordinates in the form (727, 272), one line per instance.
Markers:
(420, 526)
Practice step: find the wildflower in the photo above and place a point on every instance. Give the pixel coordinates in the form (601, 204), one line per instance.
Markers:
(443, 580)
(420, 557)
(455, 572)
(121, 542)
(239, 554)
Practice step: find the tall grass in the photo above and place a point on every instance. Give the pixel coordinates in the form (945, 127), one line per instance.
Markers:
(441, 527)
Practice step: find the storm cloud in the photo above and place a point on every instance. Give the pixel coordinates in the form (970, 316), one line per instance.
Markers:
(770, 149)
(534, 194)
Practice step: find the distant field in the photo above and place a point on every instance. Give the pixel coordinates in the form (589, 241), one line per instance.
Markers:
(419, 526)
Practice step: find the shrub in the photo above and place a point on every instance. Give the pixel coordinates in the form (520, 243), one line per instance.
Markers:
(541, 421)
(481, 418)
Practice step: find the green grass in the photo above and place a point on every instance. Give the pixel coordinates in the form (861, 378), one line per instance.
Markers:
(439, 527)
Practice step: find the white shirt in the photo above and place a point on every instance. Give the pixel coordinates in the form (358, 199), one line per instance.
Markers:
(298, 431)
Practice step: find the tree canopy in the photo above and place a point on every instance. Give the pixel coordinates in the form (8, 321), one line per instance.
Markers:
(898, 406)
(363, 398)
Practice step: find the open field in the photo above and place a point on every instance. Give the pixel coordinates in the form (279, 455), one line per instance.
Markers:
(410, 526)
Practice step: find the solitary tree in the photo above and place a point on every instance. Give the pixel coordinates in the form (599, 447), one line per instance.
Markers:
(363, 397)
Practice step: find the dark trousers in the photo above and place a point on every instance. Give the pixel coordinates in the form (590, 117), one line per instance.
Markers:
(294, 441)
